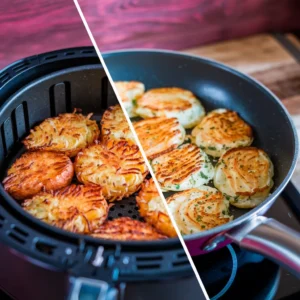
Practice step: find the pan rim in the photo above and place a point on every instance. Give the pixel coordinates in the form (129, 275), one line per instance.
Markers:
(269, 200)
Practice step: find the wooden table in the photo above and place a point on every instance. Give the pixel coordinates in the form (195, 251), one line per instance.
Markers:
(269, 59)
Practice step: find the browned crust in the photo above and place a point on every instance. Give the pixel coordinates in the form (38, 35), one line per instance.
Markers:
(119, 160)
(113, 120)
(195, 210)
(157, 131)
(61, 134)
(224, 127)
(76, 208)
(157, 219)
(37, 171)
(234, 158)
(127, 229)
(154, 99)
(180, 163)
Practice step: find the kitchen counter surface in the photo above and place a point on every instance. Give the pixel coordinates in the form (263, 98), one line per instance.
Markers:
(271, 59)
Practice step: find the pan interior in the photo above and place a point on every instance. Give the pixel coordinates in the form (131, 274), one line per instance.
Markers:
(217, 87)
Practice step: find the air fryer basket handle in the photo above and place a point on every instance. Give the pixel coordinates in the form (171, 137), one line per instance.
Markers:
(271, 239)
(90, 289)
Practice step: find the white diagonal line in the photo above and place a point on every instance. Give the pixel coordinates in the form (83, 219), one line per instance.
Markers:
(139, 145)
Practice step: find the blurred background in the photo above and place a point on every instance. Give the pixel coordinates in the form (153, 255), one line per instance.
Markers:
(178, 24)
(36, 26)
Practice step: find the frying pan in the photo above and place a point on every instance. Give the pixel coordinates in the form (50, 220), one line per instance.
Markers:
(218, 86)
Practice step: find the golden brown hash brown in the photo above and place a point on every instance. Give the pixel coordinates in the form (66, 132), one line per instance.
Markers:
(68, 133)
(245, 175)
(182, 168)
(220, 131)
(199, 209)
(116, 166)
(114, 125)
(152, 209)
(76, 208)
(159, 135)
(37, 171)
(126, 229)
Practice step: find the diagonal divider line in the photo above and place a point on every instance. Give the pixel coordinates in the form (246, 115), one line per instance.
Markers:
(140, 147)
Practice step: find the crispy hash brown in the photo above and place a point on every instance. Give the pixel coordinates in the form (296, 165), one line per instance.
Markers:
(159, 135)
(152, 209)
(199, 209)
(129, 92)
(114, 125)
(220, 131)
(126, 229)
(244, 175)
(116, 166)
(76, 208)
(68, 133)
(183, 168)
(171, 102)
(37, 171)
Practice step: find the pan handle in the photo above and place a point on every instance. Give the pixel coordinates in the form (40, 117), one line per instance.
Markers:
(271, 239)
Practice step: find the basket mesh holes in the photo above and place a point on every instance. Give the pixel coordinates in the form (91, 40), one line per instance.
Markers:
(69, 53)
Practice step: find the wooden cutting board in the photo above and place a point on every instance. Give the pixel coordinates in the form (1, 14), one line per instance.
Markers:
(271, 60)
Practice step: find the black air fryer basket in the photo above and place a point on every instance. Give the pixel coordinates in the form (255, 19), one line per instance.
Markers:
(32, 90)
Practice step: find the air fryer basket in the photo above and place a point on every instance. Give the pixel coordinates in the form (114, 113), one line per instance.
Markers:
(40, 87)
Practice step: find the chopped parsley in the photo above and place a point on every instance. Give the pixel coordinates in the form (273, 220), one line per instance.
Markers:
(134, 102)
(211, 148)
(177, 186)
(203, 175)
(236, 199)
